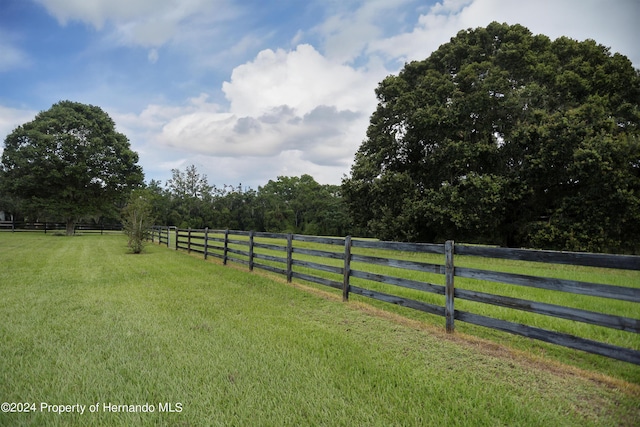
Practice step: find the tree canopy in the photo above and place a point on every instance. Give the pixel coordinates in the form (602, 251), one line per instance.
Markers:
(301, 205)
(505, 137)
(287, 204)
(70, 162)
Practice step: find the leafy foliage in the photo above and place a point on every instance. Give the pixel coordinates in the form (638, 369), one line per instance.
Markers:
(288, 204)
(137, 219)
(301, 205)
(504, 137)
(69, 162)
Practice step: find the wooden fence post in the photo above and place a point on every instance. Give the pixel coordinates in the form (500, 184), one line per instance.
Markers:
(226, 247)
(289, 257)
(450, 285)
(206, 237)
(347, 268)
(188, 240)
(251, 234)
(168, 236)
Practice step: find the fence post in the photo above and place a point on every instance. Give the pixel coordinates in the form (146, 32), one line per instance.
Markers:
(251, 234)
(450, 285)
(188, 240)
(347, 268)
(206, 240)
(289, 257)
(45, 227)
(169, 236)
(226, 246)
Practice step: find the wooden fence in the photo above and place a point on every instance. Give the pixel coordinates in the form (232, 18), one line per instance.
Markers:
(290, 255)
(55, 226)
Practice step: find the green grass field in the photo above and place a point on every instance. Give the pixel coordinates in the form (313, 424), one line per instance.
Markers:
(84, 322)
(587, 274)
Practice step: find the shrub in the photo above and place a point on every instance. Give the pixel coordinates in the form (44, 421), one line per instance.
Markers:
(137, 219)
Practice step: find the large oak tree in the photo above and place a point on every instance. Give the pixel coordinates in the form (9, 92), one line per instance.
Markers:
(505, 137)
(70, 162)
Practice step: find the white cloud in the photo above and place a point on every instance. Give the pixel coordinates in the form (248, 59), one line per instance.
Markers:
(11, 118)
(281, 101)
(449, 6)
(97, 12)
(226, 55)
(283, 105)
(11, 56)
(301, 79)
(347, 32)
(306, 110)
(153, 56)
(615, 27)
(147, 23)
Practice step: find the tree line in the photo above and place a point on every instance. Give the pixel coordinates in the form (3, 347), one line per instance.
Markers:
(499, 137)
(287, 204)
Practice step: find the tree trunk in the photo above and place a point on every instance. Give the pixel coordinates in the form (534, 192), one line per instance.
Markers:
(71, 225)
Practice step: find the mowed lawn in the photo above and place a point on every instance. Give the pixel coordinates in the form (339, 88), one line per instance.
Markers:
(83, 322)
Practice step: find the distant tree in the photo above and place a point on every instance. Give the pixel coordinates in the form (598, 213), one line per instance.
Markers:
(191, 196)
(137, 218)
(302, 205)
(236, 208)
(189, 184)
(71, 162)
(160, 201)
(507, 138)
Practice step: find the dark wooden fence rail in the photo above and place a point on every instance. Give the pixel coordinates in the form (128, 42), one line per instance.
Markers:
(55, 226)
(161, 234)
(242, 247)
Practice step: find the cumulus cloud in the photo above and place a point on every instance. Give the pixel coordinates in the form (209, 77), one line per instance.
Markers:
(301, 79)
(283, 101)
(306, 109)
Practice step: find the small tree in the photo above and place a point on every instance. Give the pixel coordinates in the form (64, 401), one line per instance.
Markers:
(137, 219)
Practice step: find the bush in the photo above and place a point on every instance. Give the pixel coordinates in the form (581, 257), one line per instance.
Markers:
(137, 219)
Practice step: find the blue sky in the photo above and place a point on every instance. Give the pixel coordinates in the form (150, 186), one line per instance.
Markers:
(248, 90)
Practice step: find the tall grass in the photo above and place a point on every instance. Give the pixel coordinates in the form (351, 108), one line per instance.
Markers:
(83, 321)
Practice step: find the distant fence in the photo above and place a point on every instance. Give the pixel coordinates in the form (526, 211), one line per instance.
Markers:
(290, 255)
(47, 227)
